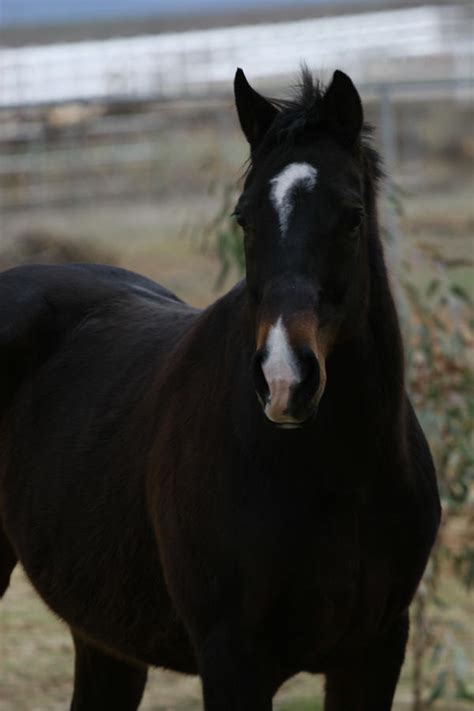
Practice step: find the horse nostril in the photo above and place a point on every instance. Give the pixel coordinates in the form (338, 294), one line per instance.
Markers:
(310, 371)
(261, 385)
(307, 388)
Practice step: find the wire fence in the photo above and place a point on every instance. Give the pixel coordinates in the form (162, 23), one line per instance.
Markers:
(79, 153)
(86, 121)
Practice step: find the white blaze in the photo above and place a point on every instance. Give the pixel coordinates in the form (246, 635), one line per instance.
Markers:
(282, 190)
(280, 370)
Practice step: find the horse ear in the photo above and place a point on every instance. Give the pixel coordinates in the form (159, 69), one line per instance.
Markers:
(343, 107)
(255, 113)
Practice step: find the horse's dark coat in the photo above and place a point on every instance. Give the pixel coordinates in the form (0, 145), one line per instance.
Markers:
(154, 507)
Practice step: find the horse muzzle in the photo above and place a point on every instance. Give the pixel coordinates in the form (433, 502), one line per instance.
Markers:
(289, 377)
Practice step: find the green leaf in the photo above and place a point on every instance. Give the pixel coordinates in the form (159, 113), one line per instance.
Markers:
(460, 293)
(433, 287)
(439, 686)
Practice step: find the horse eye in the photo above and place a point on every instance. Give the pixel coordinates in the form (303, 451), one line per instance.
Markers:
(240, 219)
(353, 219)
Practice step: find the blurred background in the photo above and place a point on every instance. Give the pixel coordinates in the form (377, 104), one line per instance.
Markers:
(119, 143)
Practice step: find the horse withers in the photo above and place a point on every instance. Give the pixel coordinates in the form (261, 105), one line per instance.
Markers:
(242, 492)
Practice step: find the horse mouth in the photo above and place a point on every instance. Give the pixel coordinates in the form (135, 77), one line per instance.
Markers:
(289, 425)
(295, 424)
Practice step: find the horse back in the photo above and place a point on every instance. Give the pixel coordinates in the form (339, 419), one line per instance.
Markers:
(42, 304)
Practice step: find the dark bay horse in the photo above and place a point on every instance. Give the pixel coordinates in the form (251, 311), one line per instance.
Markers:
(242, 492)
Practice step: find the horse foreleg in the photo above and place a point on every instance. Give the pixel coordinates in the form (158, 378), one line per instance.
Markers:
(369, 684)
(233, 674)
(104, 682)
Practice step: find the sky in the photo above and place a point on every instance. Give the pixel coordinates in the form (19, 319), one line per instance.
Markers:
(35, 12)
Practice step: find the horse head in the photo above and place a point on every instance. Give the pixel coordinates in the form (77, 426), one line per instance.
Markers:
(302, 211)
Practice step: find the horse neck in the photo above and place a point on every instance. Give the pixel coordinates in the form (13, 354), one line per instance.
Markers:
(382, 314)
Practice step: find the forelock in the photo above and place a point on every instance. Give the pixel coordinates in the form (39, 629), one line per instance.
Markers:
(300, 118)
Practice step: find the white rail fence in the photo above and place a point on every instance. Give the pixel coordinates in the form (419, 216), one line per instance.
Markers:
(372, 46)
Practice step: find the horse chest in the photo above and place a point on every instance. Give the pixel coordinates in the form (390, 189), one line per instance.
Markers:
(321, 580)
